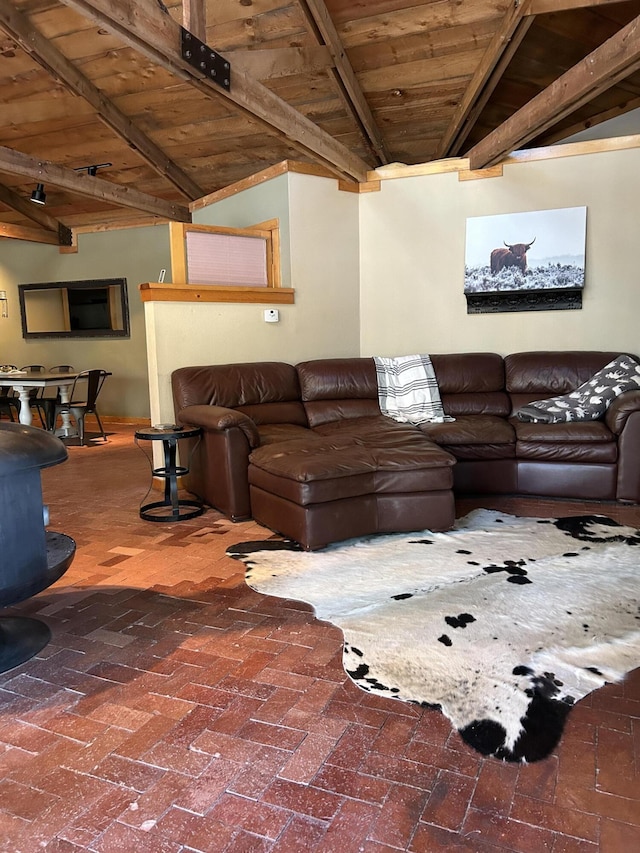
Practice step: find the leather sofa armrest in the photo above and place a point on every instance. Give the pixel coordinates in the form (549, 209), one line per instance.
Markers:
(620, 409)
(220, 419)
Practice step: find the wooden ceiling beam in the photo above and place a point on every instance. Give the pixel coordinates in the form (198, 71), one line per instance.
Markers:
(147, 26)
(19, 28)
(194, 17)
(33, 235)
(556, 135)
(615, 59)
(496, 75)
(323, 28)
(543, 7)
(503, 45)
(16, 163)
(274, 63)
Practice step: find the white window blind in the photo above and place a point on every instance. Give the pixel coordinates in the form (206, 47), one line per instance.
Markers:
(226, 259)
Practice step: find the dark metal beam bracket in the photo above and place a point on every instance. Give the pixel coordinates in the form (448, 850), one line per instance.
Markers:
(205, 59)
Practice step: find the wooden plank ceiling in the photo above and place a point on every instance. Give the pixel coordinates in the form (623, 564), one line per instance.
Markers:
(346, 84)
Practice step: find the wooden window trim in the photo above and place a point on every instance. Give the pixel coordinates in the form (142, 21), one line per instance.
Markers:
(156, 292)
(180, 291)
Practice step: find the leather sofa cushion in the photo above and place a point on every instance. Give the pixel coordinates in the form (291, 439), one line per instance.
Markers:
(475, 437)
(371, 484)
(331, 468)
(378, 429)
(245, 386)
(551, 373)
(581, 441)
(550, 451)
(518, 400)
(334, 389)
(338, 379)
(471, 429)
(320, 412)
(272, 433)
(471, 384)
(325, 458)
(577, 432)
(276, 413)
(474, 403)
(469, 373)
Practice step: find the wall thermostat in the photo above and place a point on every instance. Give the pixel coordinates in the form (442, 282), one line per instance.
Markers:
(271, 315)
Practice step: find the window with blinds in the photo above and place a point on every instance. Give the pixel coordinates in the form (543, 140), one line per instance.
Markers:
(226, 259)
(217, 256)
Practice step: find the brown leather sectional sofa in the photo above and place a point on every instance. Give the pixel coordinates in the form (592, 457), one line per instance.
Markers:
(305, 450)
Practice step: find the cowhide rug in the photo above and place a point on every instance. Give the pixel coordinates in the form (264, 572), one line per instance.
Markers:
(503, 623)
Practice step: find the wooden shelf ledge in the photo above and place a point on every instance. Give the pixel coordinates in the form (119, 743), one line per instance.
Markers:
(161, 292)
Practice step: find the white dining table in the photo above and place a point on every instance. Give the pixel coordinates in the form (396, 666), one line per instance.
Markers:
(22, 383)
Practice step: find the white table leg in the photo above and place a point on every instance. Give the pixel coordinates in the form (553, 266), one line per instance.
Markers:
(67, 429)
(25, 408)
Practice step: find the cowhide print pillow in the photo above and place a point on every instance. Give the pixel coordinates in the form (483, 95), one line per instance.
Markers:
(591, 400)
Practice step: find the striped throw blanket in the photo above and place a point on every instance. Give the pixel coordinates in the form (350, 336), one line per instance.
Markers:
(408, 390)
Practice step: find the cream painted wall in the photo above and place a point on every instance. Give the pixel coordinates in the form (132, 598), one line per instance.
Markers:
(134, 254)
(319, 244)
(325, 243)
(412, 244)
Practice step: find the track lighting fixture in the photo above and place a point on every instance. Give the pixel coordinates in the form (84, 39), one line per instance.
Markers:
(91, 170)
(39, 196)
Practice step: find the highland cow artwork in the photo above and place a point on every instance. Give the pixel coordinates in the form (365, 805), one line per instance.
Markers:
(531, 261)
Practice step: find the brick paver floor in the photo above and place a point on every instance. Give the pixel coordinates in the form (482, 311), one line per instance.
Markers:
(177, 711)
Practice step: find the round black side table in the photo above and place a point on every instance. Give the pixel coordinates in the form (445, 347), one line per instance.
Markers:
(171, 508)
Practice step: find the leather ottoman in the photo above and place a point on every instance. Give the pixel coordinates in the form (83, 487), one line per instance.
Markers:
(324, 489)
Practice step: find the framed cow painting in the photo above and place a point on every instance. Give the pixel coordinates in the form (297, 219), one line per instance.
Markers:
(530, 261)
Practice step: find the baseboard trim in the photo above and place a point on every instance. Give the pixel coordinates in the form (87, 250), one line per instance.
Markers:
(118, 419)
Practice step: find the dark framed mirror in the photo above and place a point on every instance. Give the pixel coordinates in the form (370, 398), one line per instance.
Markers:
(95, 308)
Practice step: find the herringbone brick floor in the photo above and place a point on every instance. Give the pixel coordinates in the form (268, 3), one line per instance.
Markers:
(175, 710)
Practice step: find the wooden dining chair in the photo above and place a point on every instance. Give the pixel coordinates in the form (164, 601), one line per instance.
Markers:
(82, 400)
